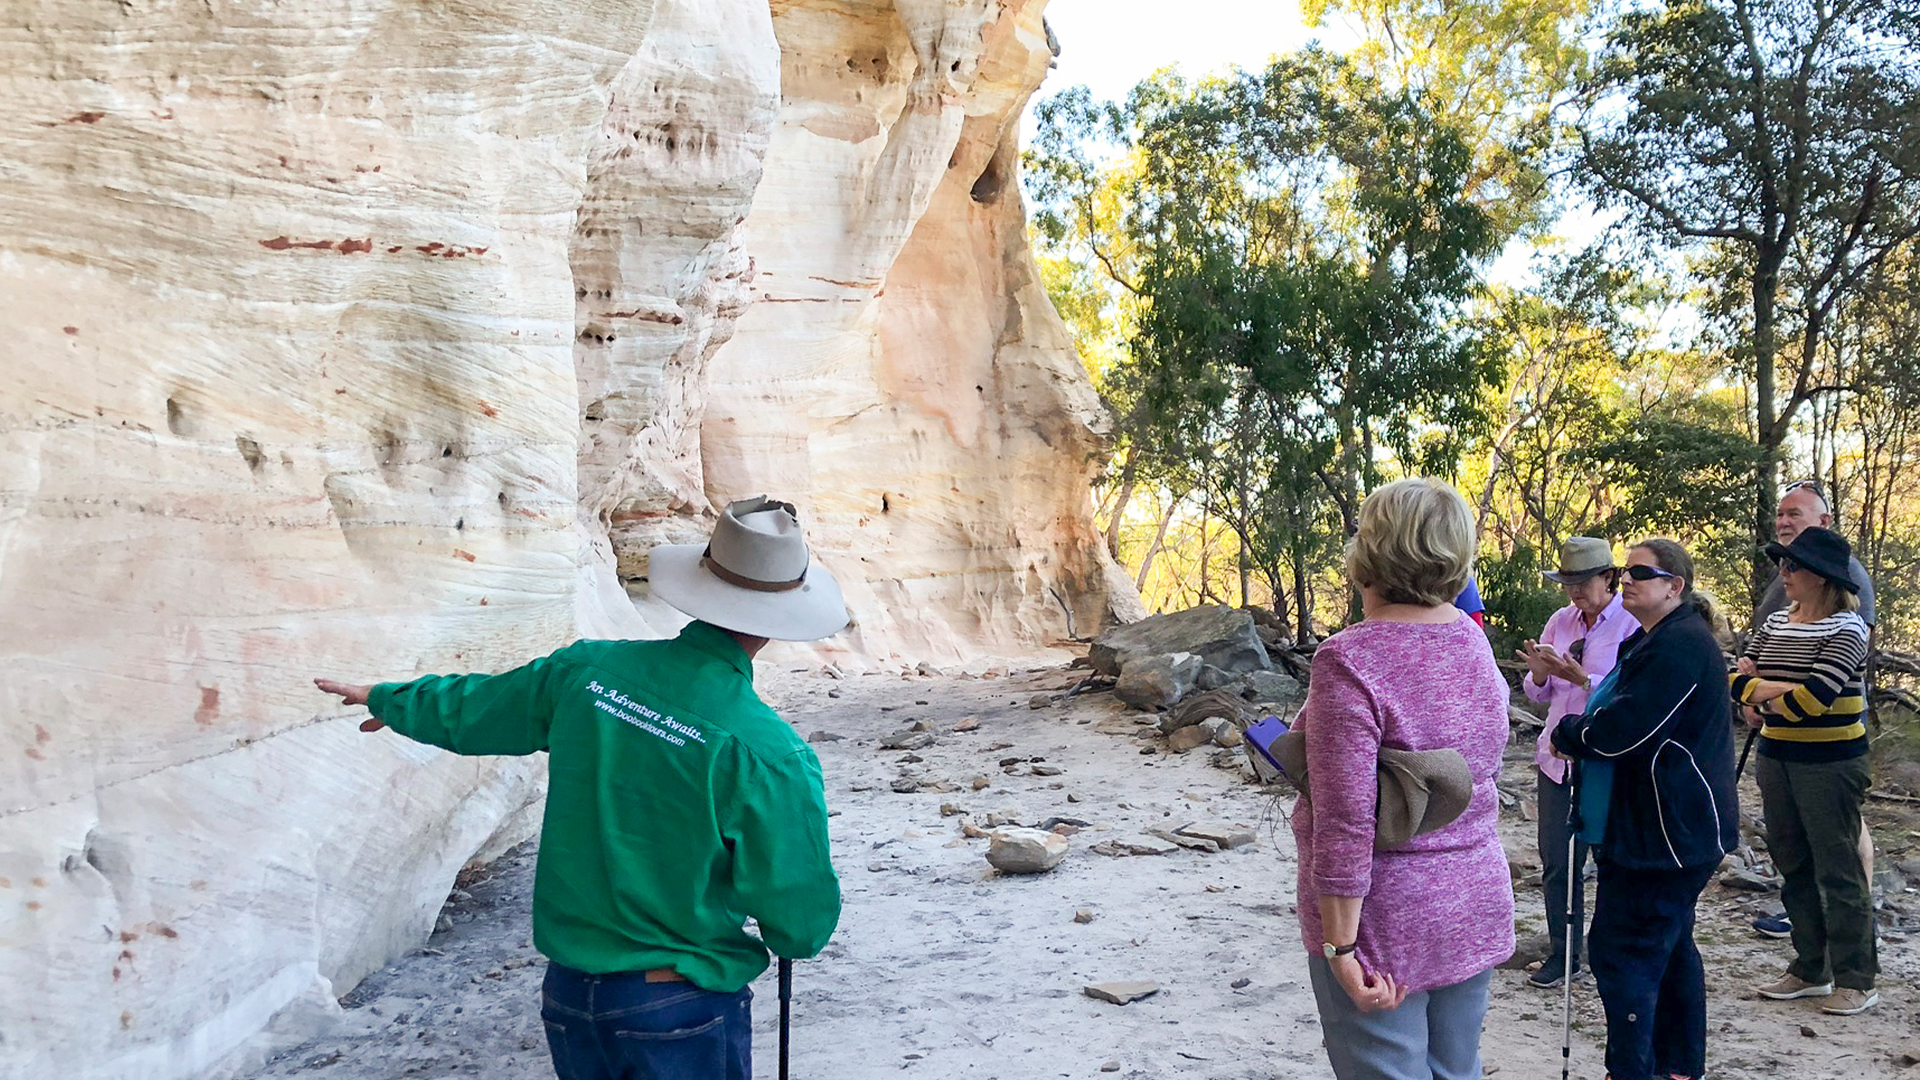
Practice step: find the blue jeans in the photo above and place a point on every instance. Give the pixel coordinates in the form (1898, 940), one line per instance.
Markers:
(1434, 1035)
(1648, 971)
(622, 1027)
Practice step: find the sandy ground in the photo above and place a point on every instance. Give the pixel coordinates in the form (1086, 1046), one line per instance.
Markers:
(944, 968)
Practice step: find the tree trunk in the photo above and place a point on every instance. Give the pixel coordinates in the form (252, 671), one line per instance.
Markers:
(1159, 541)
(1768, 432)
(1120, 501)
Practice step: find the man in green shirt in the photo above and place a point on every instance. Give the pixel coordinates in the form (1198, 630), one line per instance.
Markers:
(678, 805)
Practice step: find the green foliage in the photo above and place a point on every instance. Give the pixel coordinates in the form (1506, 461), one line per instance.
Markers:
(1295, 245)
(1519, 601)
(1781, 140)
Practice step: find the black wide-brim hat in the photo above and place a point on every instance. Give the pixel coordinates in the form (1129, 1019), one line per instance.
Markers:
(1822, 551)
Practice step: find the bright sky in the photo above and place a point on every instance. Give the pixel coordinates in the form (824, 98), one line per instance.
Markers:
(1109, 45)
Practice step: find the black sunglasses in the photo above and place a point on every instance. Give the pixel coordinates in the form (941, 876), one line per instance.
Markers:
(1578, 650)
(1788, 566)
(1640, 572)
(1812, 485)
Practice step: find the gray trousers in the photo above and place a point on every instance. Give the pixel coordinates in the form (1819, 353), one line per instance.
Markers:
(1553, 832)
(1435, 1034)
(1813, 834)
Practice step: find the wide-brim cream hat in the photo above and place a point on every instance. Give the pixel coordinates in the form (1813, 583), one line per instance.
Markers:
(1581, 557)
(754, 576)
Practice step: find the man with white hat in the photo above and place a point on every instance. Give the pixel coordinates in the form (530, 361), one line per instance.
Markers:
(678, 805)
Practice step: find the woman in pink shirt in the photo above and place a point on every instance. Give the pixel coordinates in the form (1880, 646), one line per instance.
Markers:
(1401, 942)
(1580, 644)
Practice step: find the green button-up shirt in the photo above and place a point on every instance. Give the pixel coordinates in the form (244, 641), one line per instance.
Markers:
(678, 803)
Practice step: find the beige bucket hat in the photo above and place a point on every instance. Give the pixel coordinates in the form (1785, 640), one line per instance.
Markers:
(1581, 557)
(754, 576)
(1420, 790)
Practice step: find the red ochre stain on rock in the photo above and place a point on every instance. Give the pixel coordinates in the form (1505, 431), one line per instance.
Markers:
(33, 905)
(209, 709)
(428, 249)
(6, 883)
(41, 735)
(488, 409)
(166, 931)
(34, 753)
(39, 883)
(467, 555)
(348, 246)
(394, 248)
(86, 118)
(126, 1020)
(128, 935)
(71, 331)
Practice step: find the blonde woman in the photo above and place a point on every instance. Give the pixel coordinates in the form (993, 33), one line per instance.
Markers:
(1401, 942)
(1801, 683)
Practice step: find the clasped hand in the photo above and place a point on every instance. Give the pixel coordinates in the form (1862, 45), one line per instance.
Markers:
(1370, 991)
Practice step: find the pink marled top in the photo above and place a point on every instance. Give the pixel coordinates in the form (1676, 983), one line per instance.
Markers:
(1440, 909)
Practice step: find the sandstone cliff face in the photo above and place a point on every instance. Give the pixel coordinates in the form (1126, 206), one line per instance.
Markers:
(381, 338)
(901, 364)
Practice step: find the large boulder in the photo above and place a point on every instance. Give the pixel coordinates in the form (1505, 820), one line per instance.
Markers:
(1271, 688)
(1219, 636)
(1155, 682)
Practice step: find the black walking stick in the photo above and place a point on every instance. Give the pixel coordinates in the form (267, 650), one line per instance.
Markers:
(786, 1008)
(1752, 733)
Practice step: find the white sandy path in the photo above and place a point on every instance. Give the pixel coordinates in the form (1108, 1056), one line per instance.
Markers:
(943, 968)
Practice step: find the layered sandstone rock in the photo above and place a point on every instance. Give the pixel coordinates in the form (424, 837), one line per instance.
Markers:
(372, 340)
(901, 365)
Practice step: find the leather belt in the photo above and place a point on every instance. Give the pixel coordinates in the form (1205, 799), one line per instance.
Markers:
(662, 975)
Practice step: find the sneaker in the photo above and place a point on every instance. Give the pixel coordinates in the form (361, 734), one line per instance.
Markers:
(1848, 1001)
(1790, 987)
(1773, 927)
(1547, 977)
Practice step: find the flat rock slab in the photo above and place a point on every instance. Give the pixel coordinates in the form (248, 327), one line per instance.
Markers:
(1135, 845)
(908, 740)
(1219, 834)
(1122, 992)
(1176, 836)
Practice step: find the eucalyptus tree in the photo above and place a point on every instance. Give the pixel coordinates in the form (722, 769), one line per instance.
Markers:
(1781, 139)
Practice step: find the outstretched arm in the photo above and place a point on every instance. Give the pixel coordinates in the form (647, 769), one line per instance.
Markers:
(508, 713)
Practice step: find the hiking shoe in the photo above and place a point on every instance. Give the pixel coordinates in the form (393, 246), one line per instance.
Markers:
(1547, 977)
(1773, 927)
(1790, 987)
(1847, 1001)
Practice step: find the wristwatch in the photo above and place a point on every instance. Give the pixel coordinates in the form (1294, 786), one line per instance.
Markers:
(1329, 950)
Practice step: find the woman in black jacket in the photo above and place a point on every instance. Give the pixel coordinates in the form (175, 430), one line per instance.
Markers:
(1667, 729)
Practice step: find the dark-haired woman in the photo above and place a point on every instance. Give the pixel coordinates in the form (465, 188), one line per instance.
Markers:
(1802, 681)
(1671, 817)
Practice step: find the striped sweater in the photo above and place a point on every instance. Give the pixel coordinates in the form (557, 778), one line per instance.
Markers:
(1823, 718)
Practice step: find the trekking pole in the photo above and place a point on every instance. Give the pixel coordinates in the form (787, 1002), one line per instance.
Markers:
(1752, 732)
(786, 1008)
(1573, 882)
